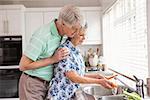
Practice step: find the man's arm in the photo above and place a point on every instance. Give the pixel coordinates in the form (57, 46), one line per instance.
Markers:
(28, 64)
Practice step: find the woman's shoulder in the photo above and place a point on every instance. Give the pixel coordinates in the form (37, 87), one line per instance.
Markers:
(65, 44)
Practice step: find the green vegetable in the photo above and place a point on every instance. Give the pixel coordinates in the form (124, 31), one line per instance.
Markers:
(132, 96)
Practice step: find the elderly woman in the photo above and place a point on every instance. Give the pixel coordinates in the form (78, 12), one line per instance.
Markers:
(70, 72)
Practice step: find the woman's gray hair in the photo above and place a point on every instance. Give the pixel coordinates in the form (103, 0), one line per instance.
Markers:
(70, 15)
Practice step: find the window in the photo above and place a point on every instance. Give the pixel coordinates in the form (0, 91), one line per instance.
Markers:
(125, 37)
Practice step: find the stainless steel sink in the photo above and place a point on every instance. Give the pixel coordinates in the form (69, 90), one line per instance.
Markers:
(101, 93)
(113, 97)
(97, 90)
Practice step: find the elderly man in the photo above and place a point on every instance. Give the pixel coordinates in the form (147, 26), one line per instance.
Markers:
(36, 62)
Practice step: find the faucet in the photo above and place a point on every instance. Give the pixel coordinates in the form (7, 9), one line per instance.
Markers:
(139, 86)
(129, 89)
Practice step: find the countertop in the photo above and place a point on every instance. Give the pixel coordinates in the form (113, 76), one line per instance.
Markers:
(10, 67)
(109, 73)
(9, 98)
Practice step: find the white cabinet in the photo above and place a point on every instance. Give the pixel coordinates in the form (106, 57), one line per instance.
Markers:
(11, 20)
(33, 20)
(49, 16)
(15, 22)
(93, 19)
(2, 22)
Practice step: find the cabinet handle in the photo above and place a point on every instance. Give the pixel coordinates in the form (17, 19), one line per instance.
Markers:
(4, 26)
(7, 24)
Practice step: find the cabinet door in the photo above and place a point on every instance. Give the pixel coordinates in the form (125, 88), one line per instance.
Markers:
(15, 22)
(85, 21)
(49, 16)
(2, 22)
(33, 20)
(94, 26)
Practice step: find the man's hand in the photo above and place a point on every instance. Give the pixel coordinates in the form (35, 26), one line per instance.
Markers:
(60, 54)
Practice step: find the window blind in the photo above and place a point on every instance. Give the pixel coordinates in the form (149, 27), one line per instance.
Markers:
(125, 38)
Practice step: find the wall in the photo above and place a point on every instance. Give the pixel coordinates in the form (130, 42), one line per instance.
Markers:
(85, 48)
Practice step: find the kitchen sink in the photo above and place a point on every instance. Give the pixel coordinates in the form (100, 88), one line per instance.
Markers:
(112, 97)
(101, 93)
(97, 90)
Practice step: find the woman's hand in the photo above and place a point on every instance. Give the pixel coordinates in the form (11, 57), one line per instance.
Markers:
(111, 77)
(99, 76)
(96, 76)
(107, 84)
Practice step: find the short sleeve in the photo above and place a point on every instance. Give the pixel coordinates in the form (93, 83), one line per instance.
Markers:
(67, 65)
(34, 48)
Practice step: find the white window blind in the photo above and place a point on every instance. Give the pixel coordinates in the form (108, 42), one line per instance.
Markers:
(125, 38)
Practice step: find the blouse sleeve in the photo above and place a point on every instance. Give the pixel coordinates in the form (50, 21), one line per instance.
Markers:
(67, 64)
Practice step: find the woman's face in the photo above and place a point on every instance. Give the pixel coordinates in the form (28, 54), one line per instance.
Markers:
(79, 37)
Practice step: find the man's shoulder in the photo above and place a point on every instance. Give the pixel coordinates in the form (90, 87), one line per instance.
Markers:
(43, 32)
(44, 29)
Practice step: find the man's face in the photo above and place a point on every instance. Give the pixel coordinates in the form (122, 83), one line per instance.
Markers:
(70, 31)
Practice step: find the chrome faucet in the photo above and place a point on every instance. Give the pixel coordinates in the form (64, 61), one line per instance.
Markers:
(130, 89)
(139, 86)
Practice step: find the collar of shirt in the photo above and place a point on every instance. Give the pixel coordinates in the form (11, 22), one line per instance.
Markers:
(53, 28)
(63, 40)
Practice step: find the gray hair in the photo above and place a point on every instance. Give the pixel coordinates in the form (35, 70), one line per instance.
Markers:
(70, 15)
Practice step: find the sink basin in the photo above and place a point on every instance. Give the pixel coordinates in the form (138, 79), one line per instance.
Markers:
(97, 90)
(101, 93)
(113, 97)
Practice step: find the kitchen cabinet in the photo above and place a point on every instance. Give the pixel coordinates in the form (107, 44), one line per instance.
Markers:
(93, 33)
(11, 20)
(2, 22)
(33, 20)
(49, 16)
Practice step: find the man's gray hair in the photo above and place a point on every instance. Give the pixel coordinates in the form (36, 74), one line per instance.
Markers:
(70, 15)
